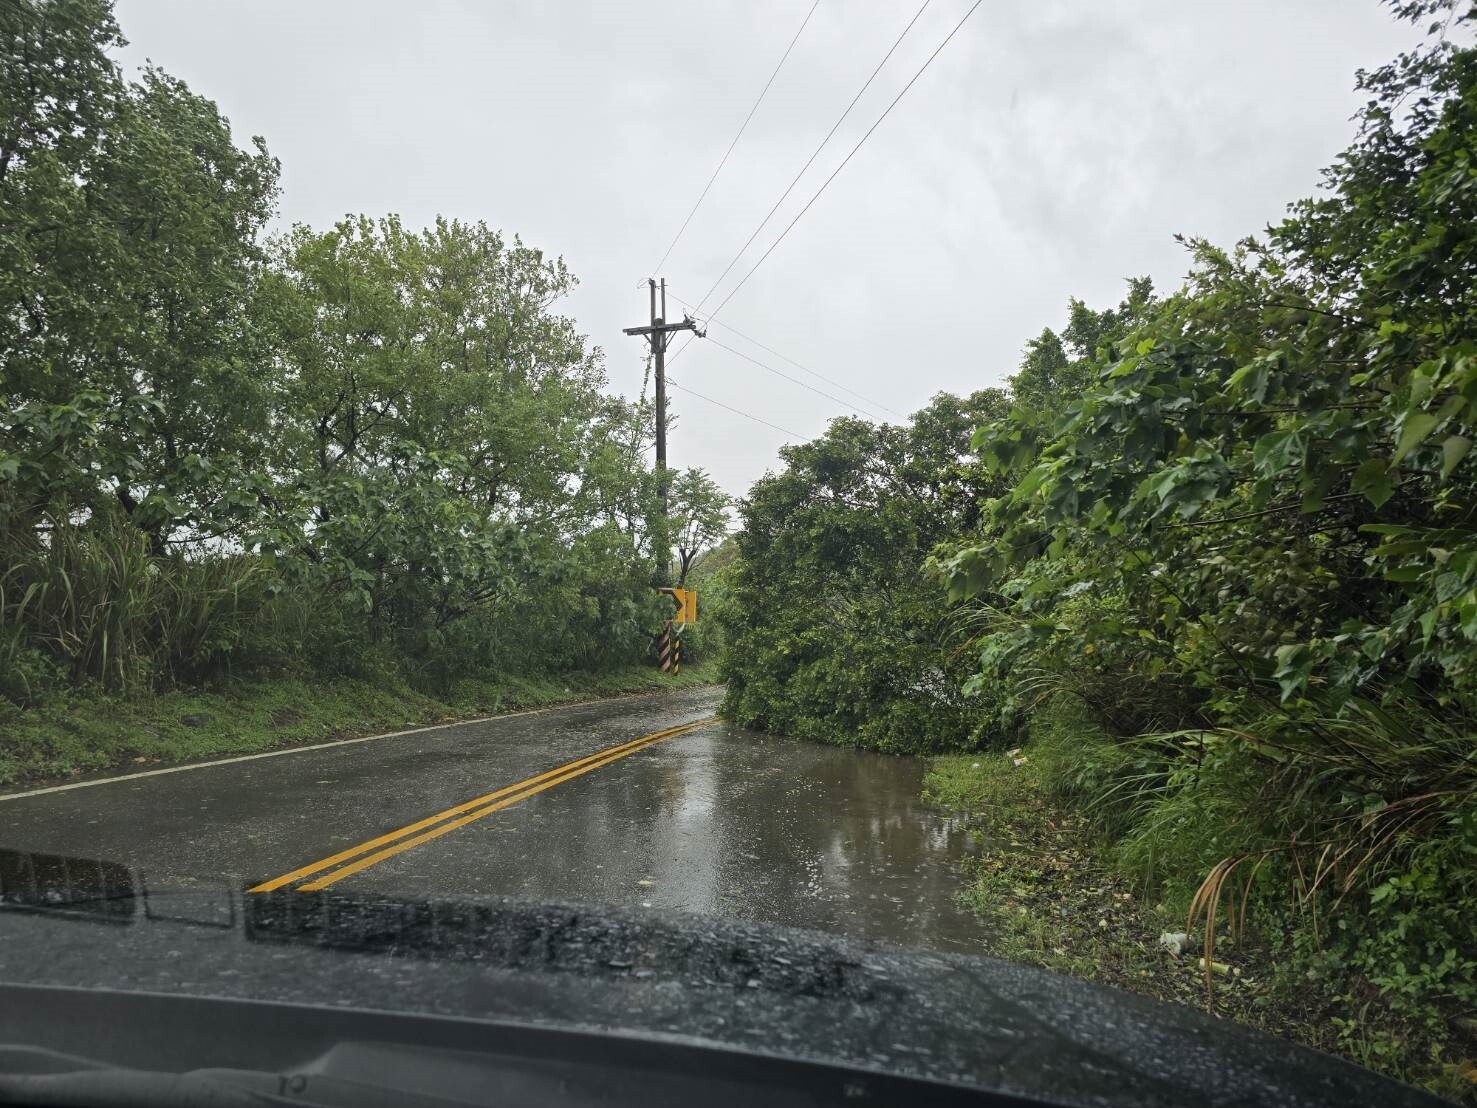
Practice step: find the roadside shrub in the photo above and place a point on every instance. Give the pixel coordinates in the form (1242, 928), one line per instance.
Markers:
(831, 631)
(213, 612)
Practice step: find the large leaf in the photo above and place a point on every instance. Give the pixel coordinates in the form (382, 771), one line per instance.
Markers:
(1413, 431)
(1453, 450)
(1372, 480)
(1277, 451)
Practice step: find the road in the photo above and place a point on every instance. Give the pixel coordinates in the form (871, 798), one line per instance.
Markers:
(646, 803)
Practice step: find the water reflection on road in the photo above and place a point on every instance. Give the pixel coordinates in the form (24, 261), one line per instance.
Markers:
(724, 822)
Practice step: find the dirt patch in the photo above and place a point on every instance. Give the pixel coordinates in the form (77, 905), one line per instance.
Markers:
(285, 717)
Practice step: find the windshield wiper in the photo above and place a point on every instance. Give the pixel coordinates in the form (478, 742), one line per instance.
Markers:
(32, 1075)
(370, 1075)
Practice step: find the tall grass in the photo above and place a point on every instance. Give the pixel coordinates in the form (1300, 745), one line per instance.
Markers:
(1346, 840)
(94, 602)
(90, 603)
(87, 602)
(209, 611)
(21, 666)
(1349, 807)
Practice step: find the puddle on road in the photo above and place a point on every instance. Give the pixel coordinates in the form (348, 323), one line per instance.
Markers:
(831, 838)
(733, 823)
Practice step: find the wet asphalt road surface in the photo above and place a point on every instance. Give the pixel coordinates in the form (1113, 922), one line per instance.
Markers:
(715, 820)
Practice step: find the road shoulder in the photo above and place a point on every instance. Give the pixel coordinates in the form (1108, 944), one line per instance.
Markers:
(90, 735)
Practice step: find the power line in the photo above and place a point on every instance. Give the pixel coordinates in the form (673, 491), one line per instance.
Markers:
(685, 344)
(793, 380)
(787, 358)
(735, 411)
(742, 127)
(939, 49)
(813, 155)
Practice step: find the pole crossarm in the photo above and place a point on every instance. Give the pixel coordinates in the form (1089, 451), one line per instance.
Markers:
(687, 324)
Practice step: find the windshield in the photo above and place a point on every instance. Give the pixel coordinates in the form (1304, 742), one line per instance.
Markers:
(957, 481)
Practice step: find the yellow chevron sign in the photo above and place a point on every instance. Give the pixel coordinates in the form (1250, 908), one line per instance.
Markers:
(686, 600)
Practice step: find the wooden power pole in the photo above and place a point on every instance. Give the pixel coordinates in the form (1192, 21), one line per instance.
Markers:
(656, 334)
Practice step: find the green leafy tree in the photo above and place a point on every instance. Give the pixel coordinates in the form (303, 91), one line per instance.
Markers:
(129, 261)
(832, 632)
(443, 435)
(699, 510)
(1057, 368)
(391, 430)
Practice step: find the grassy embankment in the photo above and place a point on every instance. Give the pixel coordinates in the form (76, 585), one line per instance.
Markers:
(1058, 895)
(90, 732)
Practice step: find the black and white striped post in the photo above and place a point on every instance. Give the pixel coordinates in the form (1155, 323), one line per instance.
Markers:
(669, 642)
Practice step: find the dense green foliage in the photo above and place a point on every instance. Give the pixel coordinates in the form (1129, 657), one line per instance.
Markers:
(832, 631)
(367, 450)
(1232, 534)
(1249, 550)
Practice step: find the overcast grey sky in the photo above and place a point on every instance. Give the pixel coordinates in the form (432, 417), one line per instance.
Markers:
(1050, 151)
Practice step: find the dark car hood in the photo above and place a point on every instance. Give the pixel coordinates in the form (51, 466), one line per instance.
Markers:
(976, 1022)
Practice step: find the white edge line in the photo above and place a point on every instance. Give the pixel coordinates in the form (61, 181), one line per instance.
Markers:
(319, 746)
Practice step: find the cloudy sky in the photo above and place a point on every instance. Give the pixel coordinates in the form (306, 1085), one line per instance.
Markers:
(1051, 150)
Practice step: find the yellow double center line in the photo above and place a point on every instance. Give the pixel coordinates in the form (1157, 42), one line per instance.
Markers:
(338, 866)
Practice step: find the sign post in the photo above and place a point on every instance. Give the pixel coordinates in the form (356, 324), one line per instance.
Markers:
(669, 647)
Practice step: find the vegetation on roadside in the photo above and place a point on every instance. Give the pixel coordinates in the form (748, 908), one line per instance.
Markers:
(367, 456)
(711, 574)
(96, 732)
(1212, 557)
(831, 632)
(1227, 539)
(1053, 894)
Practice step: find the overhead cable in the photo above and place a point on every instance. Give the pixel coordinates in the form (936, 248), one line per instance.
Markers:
(794, 380)
(939, 49)
(742, 127)
(785, 357)
(735, 411)
(813, 155)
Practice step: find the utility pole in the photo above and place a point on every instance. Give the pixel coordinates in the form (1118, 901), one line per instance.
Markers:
(656, 334)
